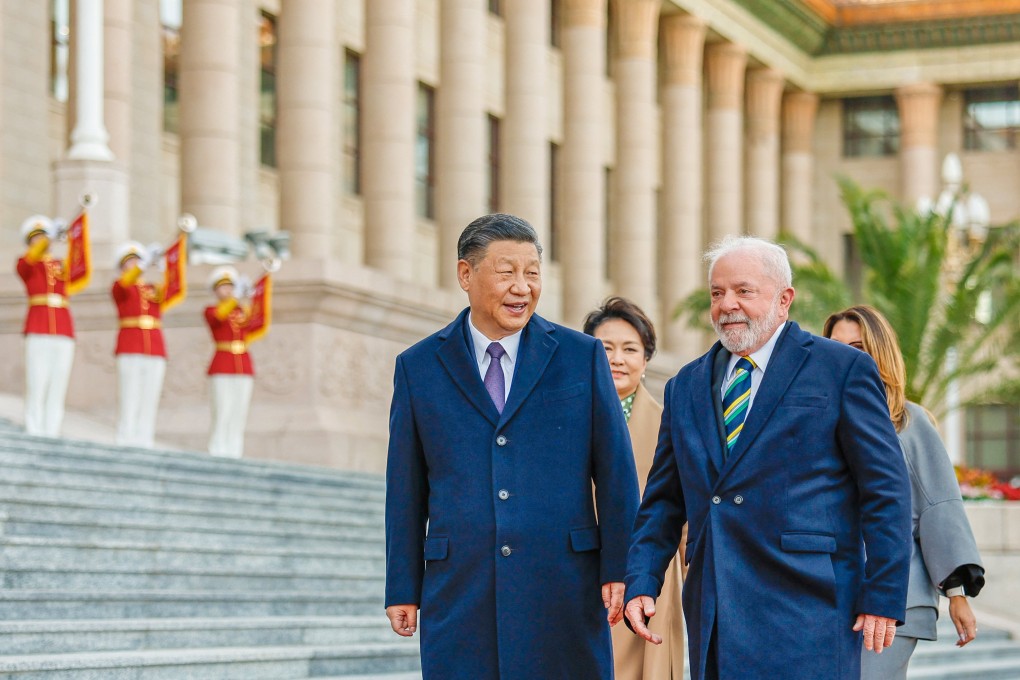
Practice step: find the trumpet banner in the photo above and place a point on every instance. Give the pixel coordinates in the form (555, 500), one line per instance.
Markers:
(175, 274)
(261, 309)
(79, 256)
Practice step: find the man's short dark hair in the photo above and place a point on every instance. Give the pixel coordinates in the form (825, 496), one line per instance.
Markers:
(624, 310)
(474, 241)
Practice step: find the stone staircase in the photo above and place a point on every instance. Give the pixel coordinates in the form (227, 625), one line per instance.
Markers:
(125, 564)
(992, 656)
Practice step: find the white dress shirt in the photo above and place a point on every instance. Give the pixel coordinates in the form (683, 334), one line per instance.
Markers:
(761, 361)
(511, 344)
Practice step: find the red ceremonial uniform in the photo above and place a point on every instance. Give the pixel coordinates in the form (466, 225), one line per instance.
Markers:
(48, 312)
(139, 309)
(230, 335)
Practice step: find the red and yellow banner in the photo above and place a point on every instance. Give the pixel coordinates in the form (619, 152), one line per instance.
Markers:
(79, 257)
(261, 309)
(175, 275)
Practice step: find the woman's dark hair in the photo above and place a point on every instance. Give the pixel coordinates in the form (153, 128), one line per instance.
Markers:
(625, 310)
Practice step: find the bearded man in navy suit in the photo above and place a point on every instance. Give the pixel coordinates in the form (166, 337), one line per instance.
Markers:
(776, 446)
(499, 426)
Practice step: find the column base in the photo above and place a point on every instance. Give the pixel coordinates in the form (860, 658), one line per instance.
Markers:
(109, 214)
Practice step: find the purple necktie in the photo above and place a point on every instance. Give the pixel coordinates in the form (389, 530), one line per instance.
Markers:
(495, 383)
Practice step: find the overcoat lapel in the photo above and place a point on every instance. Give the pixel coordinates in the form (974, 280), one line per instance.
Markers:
(536, 350)
(458, 359)
(705, 410)
(790, 354)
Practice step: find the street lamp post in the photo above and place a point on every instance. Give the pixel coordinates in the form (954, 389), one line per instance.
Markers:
(969, 215)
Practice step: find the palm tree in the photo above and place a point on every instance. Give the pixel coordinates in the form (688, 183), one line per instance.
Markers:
(935, 295)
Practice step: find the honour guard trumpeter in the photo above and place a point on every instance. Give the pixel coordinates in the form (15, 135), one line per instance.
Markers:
(231, 373)
(49, 330)
(141, 353)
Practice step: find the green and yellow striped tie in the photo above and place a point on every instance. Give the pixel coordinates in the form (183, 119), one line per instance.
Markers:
(736, 400)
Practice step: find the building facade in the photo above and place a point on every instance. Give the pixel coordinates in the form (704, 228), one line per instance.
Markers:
(631, 133)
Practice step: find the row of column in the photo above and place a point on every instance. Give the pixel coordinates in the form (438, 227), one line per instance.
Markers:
(748, 154)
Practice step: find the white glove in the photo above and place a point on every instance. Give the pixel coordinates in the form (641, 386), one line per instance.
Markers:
(244, 288)
(152, 255)
(57, 229)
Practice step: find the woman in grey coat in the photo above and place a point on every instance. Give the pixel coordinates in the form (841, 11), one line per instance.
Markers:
(945, 559)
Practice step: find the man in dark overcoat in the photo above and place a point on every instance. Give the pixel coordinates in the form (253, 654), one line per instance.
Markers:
(501, 423)
(777, 447)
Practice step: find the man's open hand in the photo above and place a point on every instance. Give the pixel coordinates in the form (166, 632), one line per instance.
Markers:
(878, 631)
(637, 610)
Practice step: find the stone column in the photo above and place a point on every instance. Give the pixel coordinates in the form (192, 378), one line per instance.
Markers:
(764, 96)
(799, 110)
(724, 128)
(118, 64)
(524, 177)
(583, 42)
(919, 115)
(633, 256)
(306, 141)
(90, 165)
(461, 127)
(89, 138)
(388, 135)
(680, 272)
(210, 137)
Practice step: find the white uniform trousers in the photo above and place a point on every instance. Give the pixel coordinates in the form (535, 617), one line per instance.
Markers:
(231, 395)
(48, 360)
(141, 382)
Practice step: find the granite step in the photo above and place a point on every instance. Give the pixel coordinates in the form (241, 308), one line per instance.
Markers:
(191, 488)
(244, 471)
(99, 635)
(85, 524)
(223, 663)
(86, 579)
(24, 605)
(124, 497)
(41, 504)
(40, 553)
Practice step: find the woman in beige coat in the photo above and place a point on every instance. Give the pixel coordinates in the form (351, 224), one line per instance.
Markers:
(629, 339)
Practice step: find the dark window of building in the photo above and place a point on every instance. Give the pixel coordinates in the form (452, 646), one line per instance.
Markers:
(352, 122)
(496, 7)
(171, 15)
(492, 200)
(267, 90)
(60, 36)
(554, 23)
(871, 127)
(424, 155)
(991, 118)
(554, 222)
(993, 438)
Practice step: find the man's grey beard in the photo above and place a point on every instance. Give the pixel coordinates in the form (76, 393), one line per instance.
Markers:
(757, 332)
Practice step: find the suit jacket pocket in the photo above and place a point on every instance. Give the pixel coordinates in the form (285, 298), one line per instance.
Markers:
(582, 540)
(797, 541)
(806, 400)
(564, 393)
(436, 548)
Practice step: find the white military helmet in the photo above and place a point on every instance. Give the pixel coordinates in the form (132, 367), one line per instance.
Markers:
(36, 224)
(129, 249)
(221, 275)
